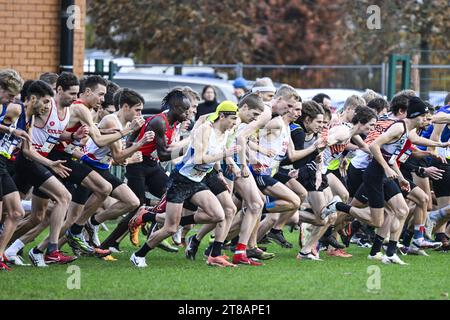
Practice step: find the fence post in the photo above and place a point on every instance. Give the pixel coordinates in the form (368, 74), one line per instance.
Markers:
(99, 66)
(239, 70)
(112, 70)
(406, 72)
(383, 79)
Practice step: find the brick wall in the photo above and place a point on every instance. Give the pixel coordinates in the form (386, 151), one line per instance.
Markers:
(30, 36)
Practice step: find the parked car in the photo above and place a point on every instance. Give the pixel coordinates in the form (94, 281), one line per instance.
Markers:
(153, 87)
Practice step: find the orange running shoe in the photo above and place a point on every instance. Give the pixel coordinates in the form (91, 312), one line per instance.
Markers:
(135, 225)
(219, 261)
(338, 253)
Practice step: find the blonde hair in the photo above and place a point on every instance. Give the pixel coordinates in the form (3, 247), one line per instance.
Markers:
(287, 92)
(10, 80)
(369, 95)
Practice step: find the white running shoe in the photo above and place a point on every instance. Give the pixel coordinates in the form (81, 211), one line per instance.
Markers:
(413, 250)
(426, 244)
(37, 259)
(308, 256)
(330, 208)
(17, 260)
(93, 233)
(429, 226)
(378, 256)
(394, 259)
(114, 250)
(176, 238)
(138, 261)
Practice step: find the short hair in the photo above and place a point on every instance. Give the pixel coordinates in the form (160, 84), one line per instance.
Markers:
(92, 82)
(447, 99)
(369, 95)
(111, 89)
(252, 100)
(353, 101)
(326, 110)
(363, 115)
(399, 102)
(408, 92)
(263, 82)
(39, 89)
(67, 80)
(190, 93)
(128, 96)
(49, 77)
(320, 97)
(172, 98)
(287, 92)
(23, 92)
(378, 104)
(310, 109)
(10, 80)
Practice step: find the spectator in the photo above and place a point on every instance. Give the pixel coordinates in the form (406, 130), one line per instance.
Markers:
(209, 103)
(240, 87)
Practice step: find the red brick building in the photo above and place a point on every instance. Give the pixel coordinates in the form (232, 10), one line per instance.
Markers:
(30, 34)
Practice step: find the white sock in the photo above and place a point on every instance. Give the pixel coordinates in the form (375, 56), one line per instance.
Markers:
(14, 248)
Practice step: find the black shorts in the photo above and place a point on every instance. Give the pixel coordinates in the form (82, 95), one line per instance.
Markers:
(441, 187)
(354, 179)
(213, 183)
(264, 181)
(31, 174)
(147, 175)
(283, 176)
(7, 184)
(307, 179)
(377, 187)
(81, 194)
(180, 188)
(390, 189)
(79, 170)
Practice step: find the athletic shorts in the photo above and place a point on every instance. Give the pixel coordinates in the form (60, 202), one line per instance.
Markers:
(307, 179)
(377, 187)
(147, 175)
(31, 174)
(282, 176)
(7, 185)
(213, 183)
(441, 187)
(79, 170)
(263, 181)
(354, 179)
(82, 194)
(180, 188)
(390, 189)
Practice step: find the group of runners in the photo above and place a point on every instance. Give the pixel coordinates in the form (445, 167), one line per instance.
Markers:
(374, 173)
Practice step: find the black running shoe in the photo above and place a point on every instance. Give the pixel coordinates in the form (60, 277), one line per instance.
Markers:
(344, 237)
(279, 239)
(208, 250)
(264, 240)
(191, 248)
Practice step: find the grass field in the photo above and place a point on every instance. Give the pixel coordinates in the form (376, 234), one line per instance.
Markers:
(171, 276)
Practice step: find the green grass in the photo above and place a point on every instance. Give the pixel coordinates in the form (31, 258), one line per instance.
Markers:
(171, 276)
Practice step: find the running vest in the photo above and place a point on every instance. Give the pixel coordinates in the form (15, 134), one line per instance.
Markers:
(196, 172)
(100, 157)
(361, 159)
(8, 141)
(335, 151)
(149, 149)
(267, 165)
(445, 136)
(392, 150)
(69, 148)
(46, 137)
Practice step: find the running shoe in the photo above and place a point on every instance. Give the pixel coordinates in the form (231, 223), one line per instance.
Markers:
(413, 250)
(15, 260)
(345, 237)
(393, 260)
(115, 249)
(138, 261)
(4, 267)
(166, 246)
(378, 256)
(191, 248)
(208, 250)
(92, 232)
(77, 242)
(176, 237)
(37, 259)
(58, 257)
(330, 208)
(338, 253)
(135, 225)
(264, 240)
(308, 256)
(279, 239)
(429, 226)
(331, 241)
(109, 258)
(219, 261)
(100, 253)
(426, 244)
(259, 254)
(243, 259)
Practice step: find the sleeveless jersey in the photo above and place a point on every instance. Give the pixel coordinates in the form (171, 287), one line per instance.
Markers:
(392, 150)
(100, 157)
(149, 149)
(9, 142)
(46, 137)
(196, 172)
(68, 148)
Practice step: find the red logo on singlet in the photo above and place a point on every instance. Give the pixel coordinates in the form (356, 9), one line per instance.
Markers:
(52, 123)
